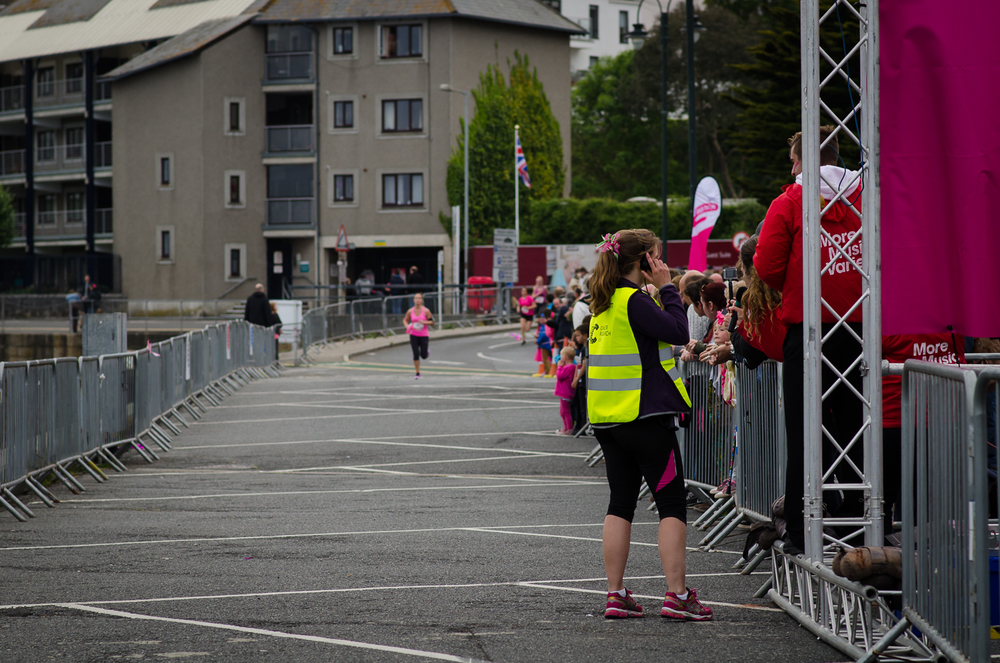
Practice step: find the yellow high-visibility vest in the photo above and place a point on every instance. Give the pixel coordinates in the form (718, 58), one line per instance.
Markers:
(614, 369)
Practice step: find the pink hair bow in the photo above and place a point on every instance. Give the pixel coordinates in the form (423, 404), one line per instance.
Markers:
(608, 243)
(720, 317)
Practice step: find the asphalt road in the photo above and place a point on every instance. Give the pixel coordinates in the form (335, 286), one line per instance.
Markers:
(351, 513)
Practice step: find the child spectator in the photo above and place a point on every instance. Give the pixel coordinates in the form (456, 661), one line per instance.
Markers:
(544, 344)
(566, 379)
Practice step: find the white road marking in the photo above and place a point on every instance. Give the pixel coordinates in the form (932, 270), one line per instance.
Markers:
(442, 361)
(482, 356)
(503, 345)
(174, 498)
(276, 634)
(368, 414)
(309, 535)
(348, 590)
(388, 441)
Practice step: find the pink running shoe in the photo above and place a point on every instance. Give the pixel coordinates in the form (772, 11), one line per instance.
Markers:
(622, 607)
(690, 609)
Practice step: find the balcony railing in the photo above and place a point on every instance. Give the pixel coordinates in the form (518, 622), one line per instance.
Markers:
(102, 155)
(298, 138)
(11, 163)
(69, 223)
(289, 211)
(281, 66)
(585, 24)
(11, 98)
(69, 157)
(102, 91)
(59, 92)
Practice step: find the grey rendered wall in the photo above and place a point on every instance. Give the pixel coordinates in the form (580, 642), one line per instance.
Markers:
(233, 68)
(159, 112)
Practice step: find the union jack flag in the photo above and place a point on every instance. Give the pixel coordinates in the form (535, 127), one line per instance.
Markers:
(522, 163)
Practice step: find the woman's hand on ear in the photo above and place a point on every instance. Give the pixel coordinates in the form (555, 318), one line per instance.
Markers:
(659, 274)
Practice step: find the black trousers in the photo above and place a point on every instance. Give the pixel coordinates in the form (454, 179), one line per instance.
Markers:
(842, 416)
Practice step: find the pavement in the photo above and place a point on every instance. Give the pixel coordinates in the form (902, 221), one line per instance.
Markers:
(347, 512)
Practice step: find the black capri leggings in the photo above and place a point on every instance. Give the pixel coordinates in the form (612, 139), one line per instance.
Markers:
(644, 449)
(419, 346)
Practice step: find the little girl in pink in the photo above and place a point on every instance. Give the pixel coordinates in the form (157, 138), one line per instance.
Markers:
(566, 387)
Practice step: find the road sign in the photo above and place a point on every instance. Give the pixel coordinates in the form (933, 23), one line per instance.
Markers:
(342, 243)
(739, 238)
(504, 255)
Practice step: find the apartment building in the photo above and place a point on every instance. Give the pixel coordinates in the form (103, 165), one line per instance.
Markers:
(605, 24)
(236, 147)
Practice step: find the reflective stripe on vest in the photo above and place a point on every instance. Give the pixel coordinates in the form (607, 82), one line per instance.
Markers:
(614, 374)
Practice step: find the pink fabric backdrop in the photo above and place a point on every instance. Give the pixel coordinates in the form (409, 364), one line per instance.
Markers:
(940, 152)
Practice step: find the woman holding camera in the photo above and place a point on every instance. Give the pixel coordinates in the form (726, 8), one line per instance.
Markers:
(635, 394)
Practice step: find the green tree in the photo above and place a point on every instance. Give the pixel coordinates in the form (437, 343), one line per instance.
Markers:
(771, 107)
(500, 104)
(6, 217)
(616, 135)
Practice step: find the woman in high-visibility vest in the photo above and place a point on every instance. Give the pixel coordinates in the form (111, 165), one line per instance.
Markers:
(634, 397)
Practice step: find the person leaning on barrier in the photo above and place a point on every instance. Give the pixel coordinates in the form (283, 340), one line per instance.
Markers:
(691, 292)
(258, 308)
(778, 261)
(635, 394)
(759, 333)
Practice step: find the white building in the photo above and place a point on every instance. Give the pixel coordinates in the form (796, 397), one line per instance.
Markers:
(606, 22)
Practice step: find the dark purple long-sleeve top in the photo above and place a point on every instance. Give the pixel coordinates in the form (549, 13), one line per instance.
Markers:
(650, 324)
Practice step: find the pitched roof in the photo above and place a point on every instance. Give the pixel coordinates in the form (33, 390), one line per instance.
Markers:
(36, 28)
(518, 12)
(183, 45)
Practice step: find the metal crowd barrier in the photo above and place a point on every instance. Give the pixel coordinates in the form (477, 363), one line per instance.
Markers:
(463, 307)
(62, 413)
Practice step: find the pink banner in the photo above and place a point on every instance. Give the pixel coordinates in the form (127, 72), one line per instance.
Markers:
(707, 208)
(940, 164)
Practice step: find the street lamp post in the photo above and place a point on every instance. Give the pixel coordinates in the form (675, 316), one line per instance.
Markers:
(637, 37)
(465, 255)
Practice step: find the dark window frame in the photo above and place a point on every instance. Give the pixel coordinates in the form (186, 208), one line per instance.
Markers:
(343, 114)
(394, 188)
(343, 40)
(391, 37)
(397, 104)
(45, 86)
(235, 189)
(235, 260)
(166, 248)
(235, 120)
(166, 171)
(595, 16)
(343, 188)
(623, 27)
(74, 84)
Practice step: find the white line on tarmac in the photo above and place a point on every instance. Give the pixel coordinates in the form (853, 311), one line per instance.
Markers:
(371, 414)
(389, 441)
(275, 634)
(503, 345)
(310, 535)
(482, 356)
(354, 590)
(646, 596)
(172, 498)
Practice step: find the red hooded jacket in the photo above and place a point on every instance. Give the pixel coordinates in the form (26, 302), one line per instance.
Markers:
(778, 259)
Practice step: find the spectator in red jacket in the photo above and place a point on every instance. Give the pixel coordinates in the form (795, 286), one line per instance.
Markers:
(778, 261)
(939, 348)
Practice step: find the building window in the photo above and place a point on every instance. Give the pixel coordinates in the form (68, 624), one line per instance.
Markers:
(46, 144)
(235, 183)
(402, 115)
(289, 52)
(46, 81)
(74, 207)
(235, 116)
(343, 41)
(553, 4)
(404, 190)
(165, 173)
(343, 188)
(343, 114)
(401, 41)
(594, 31)
(235, 261)
(622, 27)
(74, 78)
(290, 194)
(165, 245)
(74, 143)
(593, 60)
(46, 210)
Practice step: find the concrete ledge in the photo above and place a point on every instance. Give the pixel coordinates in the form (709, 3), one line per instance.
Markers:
(343, 351)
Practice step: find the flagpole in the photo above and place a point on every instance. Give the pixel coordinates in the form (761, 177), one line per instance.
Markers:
(517, 202)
